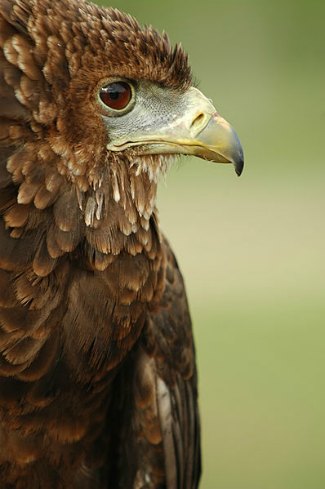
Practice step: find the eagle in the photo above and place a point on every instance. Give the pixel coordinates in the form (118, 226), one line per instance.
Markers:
(98, 383)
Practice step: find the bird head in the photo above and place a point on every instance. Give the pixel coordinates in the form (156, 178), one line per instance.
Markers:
(125, 90)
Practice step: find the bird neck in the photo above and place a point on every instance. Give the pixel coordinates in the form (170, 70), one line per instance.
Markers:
(118, 215)
(94, 218)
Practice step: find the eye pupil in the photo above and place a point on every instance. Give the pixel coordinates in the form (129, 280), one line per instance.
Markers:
(116, 95)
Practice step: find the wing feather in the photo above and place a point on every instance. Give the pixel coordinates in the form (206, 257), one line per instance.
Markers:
(159, 427)
(172, 348)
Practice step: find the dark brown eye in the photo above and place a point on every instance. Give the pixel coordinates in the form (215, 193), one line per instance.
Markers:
(116, 95)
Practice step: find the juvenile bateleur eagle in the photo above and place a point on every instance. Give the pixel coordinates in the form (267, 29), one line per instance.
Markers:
(98, 386)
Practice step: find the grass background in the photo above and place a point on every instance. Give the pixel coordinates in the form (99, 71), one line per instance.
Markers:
(251, 249)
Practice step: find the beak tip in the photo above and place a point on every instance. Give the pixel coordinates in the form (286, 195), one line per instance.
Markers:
(239, 166)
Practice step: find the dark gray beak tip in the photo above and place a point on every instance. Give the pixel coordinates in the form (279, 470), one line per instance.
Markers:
(239, 165)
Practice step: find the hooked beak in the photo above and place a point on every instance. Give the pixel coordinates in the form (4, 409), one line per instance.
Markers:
(198, 131)
(218, 142)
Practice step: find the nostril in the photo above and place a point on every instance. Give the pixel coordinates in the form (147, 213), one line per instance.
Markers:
(198, 121)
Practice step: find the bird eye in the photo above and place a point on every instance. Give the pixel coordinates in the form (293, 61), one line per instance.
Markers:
(116, 95)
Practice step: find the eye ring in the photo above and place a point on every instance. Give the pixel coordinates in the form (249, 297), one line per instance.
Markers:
(117, 96)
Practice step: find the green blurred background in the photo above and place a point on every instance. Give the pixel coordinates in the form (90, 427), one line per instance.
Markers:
(251, 249)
